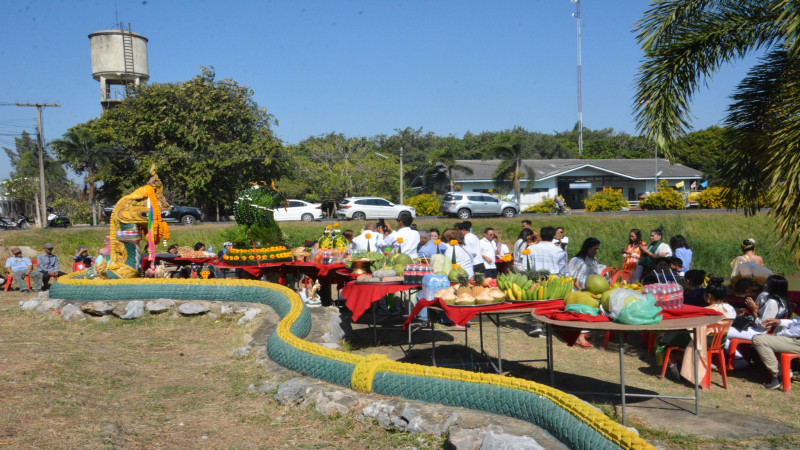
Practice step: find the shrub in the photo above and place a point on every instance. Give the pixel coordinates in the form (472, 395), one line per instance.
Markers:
(425, 204)
(711, 198)
(608, 199)
(664, 198)
(543, 207)
(78, 212)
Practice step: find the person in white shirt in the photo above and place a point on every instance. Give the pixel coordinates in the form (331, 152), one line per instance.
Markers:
(524, 241)
(410, 238)
(462, 257)
(360, 241)
(473, 245)
(787, 340)
(489, 252)
(585, 263)
(560, 239)
(546, 255)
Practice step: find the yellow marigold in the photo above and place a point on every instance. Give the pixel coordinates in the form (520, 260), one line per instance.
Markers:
(437, 242)
(271, 256)
(453, 242)
(236, 258)
(252, 257)
(328, 227)
(507, 257)
(225, 256)
(527, 251)
(456, 266)
(335, 224)
(368, 236)
(399, 240)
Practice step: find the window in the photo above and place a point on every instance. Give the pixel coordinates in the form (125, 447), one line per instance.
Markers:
(489, 199)
(451, 197)
(475, 198)
(380, 202)
(363, 202)
(294, 204)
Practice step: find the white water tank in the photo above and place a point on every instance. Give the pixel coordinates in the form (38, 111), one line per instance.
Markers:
(119, 59)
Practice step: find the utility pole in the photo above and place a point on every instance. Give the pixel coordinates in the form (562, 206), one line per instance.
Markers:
(577, 16)
(402, 149)
(42, 213)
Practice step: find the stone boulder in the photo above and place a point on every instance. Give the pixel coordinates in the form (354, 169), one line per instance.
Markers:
(72, 313)
(133, 310)
(159, 306)
(193, 309)
(97, 308)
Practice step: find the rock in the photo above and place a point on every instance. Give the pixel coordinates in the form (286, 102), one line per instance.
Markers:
(331, 346)
(337, 326)
(384, 413)
(97, 308)
(160, 305)
(503, 441)
(249, 315)
(267, 387)
(227, 310)
(133, 310)
(333, 402)
(242, 352)
(30, 304)
(466, 438)
(193, 309)
(295, 391)
(49, 304)
(72, 313)
(426, 419)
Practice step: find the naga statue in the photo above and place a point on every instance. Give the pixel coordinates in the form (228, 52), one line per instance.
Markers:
(135, 215)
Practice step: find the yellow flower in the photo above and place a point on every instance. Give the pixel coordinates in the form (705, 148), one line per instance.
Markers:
(252, 257)
(453, 242)
(456, 266)
(437, 242)
(236, 258)
(368, 236)
(399, 240)
(507, 257)
(527, 251)
(336, 224)
(271, 256)
(328, 227)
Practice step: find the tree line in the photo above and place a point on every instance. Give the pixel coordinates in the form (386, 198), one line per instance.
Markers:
(209, 139)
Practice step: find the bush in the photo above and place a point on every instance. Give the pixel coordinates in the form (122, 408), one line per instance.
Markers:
(608, 199)
(425, 204)
(543, 207)
(711, 198)
(664, 198)
(78, 212)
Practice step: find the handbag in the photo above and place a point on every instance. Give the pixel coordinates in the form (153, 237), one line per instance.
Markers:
(744, 322)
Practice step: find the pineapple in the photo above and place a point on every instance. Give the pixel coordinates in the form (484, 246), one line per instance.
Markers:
(463, 285)
(478, 288)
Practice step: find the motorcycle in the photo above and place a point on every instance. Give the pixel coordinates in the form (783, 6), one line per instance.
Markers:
(22, 223)
(56, 220)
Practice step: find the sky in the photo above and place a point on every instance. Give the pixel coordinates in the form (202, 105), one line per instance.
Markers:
(360, 68)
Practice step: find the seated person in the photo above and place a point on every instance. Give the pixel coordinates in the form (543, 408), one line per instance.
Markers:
(83, 264)
(694, 293)
(81, 256)
(47, 264)
(21, 266)
(785, 340)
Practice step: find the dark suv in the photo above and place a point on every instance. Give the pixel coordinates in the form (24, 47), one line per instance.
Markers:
(186, 215)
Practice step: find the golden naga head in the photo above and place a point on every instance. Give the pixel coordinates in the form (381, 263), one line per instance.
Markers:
(132, 208)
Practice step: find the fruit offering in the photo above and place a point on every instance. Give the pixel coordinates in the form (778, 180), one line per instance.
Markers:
(519, 287)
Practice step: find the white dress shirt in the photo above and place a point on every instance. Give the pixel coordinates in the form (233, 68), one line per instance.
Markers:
(410, 241)
(360, 241)
(489, 250)
(463, 258)
(473, 245)
(546, 255)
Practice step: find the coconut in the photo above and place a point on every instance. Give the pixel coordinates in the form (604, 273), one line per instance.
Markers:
(442, 292)
(497, 295)
(449, 297)
(484, 298)
(465, 299)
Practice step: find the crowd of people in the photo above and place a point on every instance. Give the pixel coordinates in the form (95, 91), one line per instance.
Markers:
(765, 320)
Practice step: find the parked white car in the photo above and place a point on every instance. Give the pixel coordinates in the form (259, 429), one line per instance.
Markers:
(298, 210)
(363, 208)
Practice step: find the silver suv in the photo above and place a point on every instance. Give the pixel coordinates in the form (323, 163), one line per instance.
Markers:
(362, 208)
(466, 204)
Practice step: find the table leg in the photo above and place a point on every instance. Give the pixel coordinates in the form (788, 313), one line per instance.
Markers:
(480, 330)
(374, 325)
(499, 351)
(549, 339)
(622, 374)
(433, 339)
(696, 381)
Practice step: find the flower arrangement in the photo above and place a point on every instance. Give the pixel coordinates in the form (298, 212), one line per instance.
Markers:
(527, 252)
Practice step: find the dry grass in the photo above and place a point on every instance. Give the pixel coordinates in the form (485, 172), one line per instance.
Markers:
(597, 370)
(153, 382)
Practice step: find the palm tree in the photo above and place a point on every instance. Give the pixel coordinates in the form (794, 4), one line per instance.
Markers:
(685, 42)
(79, 150)
(444, 159)
(510, 149)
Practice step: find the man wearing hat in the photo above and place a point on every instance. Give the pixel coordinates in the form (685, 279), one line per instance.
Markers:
(47, 264)
(226, 248)
(82, 257)
(21, 266)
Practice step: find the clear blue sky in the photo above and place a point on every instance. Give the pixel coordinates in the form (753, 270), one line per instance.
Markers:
(361, 68)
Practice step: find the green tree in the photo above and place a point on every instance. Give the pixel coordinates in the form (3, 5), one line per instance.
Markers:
(443, 161)
(208, 139)
(81, 152)
(703, 150)
(511, 151)
(333, 166)
(685, 42)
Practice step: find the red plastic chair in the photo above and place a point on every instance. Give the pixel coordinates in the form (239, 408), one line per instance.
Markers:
(786, 370)
(736, 342)
(715, 349)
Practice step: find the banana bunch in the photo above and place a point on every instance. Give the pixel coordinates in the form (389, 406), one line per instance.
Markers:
(624, 284)
(519, 287)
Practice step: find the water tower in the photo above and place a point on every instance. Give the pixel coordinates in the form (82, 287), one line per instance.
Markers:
(119, 60)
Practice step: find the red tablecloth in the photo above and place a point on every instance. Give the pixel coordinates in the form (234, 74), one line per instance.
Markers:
(463, 314)
(359, 297)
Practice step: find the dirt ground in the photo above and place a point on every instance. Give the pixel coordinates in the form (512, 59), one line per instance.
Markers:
(153, 382)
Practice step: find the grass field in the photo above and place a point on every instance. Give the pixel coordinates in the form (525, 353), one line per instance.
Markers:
(714, 236)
